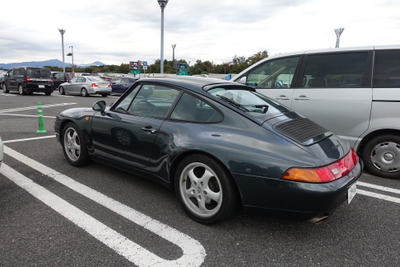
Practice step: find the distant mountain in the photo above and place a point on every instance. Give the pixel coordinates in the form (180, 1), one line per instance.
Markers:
(50, 62)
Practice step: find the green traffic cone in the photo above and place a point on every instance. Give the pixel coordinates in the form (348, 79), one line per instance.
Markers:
(40, 119)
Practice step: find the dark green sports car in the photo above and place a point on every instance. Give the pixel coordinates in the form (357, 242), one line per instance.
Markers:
(220, 145)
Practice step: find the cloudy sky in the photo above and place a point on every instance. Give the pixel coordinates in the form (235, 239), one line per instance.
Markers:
(120, 31)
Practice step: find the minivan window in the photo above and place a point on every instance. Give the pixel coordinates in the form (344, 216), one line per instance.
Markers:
(273, 73)
(335, 70)
(38, 73)
(387, 69)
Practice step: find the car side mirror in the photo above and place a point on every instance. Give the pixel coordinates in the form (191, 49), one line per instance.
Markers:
(100, 106)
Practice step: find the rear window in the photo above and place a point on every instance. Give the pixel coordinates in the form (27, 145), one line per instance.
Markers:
(387, 69)
(38, 73)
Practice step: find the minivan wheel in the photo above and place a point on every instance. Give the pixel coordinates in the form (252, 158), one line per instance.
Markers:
(381, 156)
(21, 90)
(205, 189)
(5, 89)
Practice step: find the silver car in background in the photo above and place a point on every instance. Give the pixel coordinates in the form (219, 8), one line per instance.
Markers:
(85, 86)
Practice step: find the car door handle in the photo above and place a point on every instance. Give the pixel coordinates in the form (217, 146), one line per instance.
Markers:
(149, 129)
(282, 97)
(302, 97)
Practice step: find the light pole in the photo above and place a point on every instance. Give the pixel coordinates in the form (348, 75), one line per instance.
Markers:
(173, 55)
(338, 33)
(62, 31)
(163, 4)
(72, 55)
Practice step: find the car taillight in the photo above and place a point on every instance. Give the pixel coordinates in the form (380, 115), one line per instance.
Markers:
(27, 79)
(95, 85)
(52, 80)
(109, 85)
(328, 173)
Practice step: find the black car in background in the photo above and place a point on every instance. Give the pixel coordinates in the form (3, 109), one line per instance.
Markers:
(26, 80)
(59, 78)
(120, 85)
(219, 145)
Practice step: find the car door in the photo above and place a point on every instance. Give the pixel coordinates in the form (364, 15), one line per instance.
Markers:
(126, 133)
(334, 90)
(274, 78)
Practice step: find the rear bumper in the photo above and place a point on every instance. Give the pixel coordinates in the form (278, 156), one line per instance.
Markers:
(292, 199)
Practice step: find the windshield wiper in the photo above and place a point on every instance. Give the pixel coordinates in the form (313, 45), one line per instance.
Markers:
(233, 102)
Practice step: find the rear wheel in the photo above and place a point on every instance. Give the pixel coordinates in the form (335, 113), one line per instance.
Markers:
(205, 190)
(73, 145)
(84, 92)
(381, 156)
(21, 90)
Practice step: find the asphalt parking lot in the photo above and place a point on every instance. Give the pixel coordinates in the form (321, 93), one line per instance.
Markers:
(53, 214)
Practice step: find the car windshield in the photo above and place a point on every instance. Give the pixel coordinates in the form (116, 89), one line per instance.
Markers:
(38, 73)
(255, 104)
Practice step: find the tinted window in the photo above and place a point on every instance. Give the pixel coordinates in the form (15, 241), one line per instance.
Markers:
(273, 74)
(153, 100)
(387, 69)
(335, 70)
(190, 108)
(38, 73)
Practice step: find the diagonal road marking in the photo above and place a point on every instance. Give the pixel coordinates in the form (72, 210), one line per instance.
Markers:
(193, 251)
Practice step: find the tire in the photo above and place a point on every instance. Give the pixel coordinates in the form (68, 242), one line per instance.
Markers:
(5, 89)
(61, 90)
(381, 156)
(205, 190)
(84, 92)
(74, 148)
(21, 90)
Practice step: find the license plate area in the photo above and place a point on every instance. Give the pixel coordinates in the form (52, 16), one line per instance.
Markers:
(41, 86)
(351, 192)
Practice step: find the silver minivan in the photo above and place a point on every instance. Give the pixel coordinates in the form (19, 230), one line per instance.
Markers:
(354, 92)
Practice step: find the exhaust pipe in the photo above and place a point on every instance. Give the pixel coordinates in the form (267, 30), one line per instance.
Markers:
(319, 218)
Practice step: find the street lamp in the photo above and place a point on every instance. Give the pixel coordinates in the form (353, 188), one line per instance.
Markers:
(173, 54)
(62, 31)
(163, 4)
(338, 33)
(71, 54)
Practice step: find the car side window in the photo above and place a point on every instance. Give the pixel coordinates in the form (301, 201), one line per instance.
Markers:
(190, 108)
(150, 100)
(273, 73)
(335, 70)
(387, 69)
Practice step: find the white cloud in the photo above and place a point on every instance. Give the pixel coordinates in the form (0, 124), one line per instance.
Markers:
(119, 31)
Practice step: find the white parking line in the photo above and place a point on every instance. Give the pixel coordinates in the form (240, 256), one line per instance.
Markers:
(193, 251)
(377, 195)
(35, 107)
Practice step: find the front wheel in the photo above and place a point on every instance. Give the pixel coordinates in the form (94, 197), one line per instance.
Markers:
(205, 190)
(381, 156)
(61, 90)
(73, 146)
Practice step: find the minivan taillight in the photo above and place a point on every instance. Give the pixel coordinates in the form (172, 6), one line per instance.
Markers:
(324, 174)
